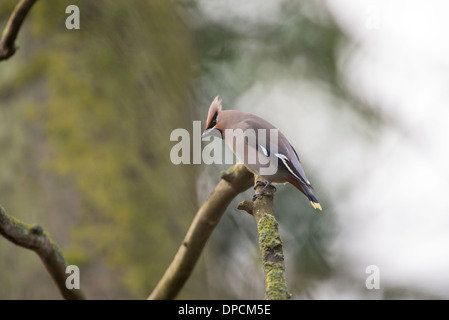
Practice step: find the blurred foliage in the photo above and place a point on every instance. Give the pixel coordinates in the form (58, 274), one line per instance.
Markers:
(108, 97)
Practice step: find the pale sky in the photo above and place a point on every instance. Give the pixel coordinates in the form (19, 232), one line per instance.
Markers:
(403, 64)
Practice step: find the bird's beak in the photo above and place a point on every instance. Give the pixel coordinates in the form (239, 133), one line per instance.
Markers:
(211, 132)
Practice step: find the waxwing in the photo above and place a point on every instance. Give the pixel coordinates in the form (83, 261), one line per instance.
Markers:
(260, 147)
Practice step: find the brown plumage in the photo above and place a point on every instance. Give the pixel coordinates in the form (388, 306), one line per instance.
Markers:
(260, 146)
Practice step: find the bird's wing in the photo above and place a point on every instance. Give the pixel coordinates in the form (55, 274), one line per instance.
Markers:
(300, 170)
(287, 157)
(293, 165)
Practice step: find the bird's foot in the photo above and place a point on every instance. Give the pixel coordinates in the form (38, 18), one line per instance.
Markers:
(262, 192)
(260, 183)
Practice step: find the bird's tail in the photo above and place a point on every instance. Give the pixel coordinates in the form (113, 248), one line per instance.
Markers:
(307, 192)
(313, 200)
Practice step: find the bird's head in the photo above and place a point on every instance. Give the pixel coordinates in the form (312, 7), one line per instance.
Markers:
(214, 127)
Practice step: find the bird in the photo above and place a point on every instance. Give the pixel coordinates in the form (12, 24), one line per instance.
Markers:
(247, 134)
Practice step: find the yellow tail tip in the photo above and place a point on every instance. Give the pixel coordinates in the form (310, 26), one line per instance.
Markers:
(316, 205)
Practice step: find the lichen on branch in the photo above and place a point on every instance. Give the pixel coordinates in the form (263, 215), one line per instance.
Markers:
(273, 258)
(270, 243)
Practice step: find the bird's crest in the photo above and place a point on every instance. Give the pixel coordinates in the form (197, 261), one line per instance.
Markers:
(216, 104)
(214, 109)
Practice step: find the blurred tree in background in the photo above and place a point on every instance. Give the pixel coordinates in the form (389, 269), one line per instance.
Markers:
(86, 118)
(89, 114)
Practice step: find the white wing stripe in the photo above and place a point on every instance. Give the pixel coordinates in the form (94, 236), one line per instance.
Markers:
(265, 152)
(283, 158)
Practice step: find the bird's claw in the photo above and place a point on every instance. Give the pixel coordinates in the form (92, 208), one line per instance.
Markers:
(260, 183)
(262, 192)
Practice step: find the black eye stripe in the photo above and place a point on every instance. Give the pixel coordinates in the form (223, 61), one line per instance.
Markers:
(213, 121)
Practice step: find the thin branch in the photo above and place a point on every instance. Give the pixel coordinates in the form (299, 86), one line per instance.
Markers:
(36, 239)
(269, 242)
(234, 181)
(7, 46)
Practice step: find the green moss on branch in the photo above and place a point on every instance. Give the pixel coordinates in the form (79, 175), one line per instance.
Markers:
(270, 244)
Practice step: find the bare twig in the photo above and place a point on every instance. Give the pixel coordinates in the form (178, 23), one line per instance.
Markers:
(7, 46)
(269, 242)
(234, 181)
(36, 239)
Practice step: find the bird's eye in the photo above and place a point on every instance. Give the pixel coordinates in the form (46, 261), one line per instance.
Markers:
(213, 122)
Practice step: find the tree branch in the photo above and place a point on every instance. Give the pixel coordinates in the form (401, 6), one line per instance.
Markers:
(7, 46)
(36, 239)
(234, 181)
(269, 242)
